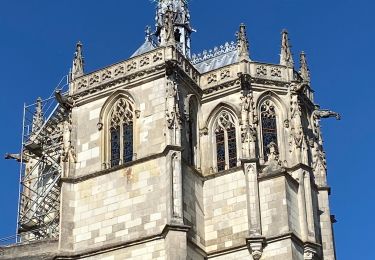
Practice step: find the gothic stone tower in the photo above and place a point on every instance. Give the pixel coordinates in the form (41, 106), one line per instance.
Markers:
(169, 155)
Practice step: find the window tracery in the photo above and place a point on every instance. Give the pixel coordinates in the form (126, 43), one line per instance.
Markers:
(269, 126)
(121, 132)
(226, 143)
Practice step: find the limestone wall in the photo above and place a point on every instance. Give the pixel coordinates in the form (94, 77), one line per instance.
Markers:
(124, 205)
(149, 137)
(225, 211)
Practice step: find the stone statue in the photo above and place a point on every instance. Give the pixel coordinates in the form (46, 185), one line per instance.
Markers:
(68, 152)
(78, 62)
(249, 121)
(273, 160)
(297, 138)
(167, 34)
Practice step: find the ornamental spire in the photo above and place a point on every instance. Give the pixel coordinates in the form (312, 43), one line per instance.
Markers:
(304, 69)
(78, 62)
(242, 43)
(286, 57)
(173, 24)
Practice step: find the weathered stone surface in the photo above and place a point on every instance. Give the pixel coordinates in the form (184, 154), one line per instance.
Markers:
(225, 161)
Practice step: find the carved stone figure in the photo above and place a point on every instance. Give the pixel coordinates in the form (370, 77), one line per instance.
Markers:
(78, 62)
(249, 121)
(68, 153)
(297, 135)
(167, 32)
(273, 160)
(172, 110)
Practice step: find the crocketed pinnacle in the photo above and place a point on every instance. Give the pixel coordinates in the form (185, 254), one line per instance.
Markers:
(286, 57)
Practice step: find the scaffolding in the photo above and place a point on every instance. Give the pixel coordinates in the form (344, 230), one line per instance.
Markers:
(41, 166)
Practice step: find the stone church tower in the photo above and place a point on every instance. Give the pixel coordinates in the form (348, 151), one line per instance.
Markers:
(169, 155)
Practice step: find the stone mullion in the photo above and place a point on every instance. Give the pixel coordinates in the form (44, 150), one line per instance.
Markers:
(226, 148)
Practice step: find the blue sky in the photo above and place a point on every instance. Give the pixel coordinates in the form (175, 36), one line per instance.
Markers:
(37, 44)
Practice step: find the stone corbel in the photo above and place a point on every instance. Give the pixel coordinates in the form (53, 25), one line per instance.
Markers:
(309, 253)
(245, 81)
(100, 126)
(256, 246)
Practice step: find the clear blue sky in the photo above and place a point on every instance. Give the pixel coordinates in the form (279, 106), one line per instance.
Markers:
(37, 44)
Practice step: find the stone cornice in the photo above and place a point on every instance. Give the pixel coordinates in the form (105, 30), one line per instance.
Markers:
(278, 173)
(120, 245)
(78, 179)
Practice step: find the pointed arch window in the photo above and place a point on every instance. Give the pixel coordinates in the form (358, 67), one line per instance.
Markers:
(269, 126)
(225, 138)
(121, 132)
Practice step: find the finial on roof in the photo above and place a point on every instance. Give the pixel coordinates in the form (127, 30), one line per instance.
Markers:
(286, 57)
(304, 68)
(242, 43)
(173, 25)
(78, 62)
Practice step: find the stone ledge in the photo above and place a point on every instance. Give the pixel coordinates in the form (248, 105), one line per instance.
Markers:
(75, 180)
(120, 245)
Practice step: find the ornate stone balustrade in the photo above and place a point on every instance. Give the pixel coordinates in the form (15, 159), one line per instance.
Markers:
(270, 72)
(219, 76)
(118, 71)
(187, 67)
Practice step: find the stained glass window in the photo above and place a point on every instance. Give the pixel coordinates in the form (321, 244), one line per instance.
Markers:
(226, 143)
(115, 147)
(269, 126)
(128, 142)
(232, 147)
(121, 133)
(220, 150)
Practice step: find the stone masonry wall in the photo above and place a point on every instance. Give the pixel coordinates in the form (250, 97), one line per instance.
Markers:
(124, 205)
(225, 211)
(193, 205)
(273, 206)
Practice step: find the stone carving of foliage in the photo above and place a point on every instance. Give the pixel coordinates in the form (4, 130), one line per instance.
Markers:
(225, 74)
(276, 72)
(94, 79)
(212, 78)
(106, 75)
(144, 61)
(119, 70)
(132, 66)
(82, 84)
(261, 70)
(157, 56)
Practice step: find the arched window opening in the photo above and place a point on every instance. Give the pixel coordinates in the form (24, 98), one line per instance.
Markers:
(269, 126)
(226, 145)
(121, 133)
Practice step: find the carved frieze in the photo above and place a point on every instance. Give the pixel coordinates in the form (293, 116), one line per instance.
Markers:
(133, 68)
